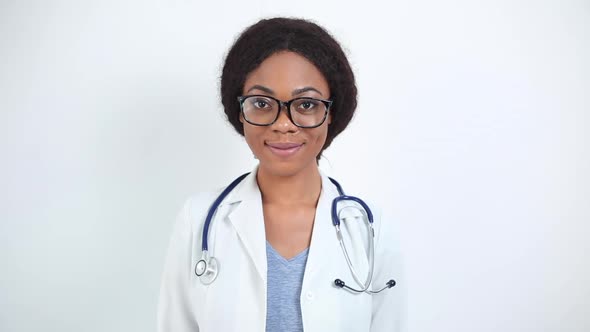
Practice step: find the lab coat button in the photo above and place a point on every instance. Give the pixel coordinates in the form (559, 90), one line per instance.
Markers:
(309, 296)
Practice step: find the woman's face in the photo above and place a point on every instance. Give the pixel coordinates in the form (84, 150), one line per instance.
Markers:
(282, 148)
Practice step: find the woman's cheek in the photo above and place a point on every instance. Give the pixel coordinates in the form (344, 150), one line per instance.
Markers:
(254, 140)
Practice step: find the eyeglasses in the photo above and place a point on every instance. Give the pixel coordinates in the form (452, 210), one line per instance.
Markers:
(304, 112)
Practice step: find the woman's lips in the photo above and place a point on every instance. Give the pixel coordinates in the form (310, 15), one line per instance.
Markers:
(284, 149)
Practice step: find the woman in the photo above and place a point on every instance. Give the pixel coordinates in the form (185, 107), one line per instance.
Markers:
(288, 88)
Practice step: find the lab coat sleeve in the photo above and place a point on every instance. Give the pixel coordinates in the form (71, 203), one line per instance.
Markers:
(175, 307)
(389, 306)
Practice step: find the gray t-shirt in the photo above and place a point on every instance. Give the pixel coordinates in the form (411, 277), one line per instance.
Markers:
(283, 310)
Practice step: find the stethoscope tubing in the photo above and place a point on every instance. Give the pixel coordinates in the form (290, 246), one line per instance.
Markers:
(208, 273)
(213, 208)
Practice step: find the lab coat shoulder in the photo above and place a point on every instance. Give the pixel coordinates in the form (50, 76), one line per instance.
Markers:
(389, 309)
(176, 305)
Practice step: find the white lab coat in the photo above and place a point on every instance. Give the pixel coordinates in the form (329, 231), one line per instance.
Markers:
(236, 300)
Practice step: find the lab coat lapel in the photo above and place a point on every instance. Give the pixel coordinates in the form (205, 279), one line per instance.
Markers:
(247, 219)
(323, 232)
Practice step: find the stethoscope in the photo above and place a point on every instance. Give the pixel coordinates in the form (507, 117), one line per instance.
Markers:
(207, 267)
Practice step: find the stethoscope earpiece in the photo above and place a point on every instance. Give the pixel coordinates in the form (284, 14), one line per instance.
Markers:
(341, 284)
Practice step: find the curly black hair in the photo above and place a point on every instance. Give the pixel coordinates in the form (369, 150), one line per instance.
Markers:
(269, 36)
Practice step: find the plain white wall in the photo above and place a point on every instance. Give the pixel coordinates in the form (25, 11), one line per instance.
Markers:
(471, 127)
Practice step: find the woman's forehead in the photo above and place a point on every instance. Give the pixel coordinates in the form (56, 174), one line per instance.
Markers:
(286, 72)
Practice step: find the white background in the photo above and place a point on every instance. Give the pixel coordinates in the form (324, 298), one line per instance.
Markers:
(472, 128)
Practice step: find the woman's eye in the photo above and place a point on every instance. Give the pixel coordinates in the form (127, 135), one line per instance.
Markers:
(260, 103)
(307, 105)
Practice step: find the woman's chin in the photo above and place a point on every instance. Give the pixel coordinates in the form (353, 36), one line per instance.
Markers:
(284, 168)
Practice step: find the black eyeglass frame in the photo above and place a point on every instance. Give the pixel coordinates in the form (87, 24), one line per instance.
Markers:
(327, 103)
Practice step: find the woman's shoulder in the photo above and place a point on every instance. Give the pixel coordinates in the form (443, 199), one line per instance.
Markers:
(195, 207)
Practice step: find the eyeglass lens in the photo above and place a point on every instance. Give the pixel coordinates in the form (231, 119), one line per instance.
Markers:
(305, 112)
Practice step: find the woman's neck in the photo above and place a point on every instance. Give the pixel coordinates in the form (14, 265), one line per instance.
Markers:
(302, 188)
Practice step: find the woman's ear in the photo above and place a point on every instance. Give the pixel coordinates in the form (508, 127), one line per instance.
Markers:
(329, 117)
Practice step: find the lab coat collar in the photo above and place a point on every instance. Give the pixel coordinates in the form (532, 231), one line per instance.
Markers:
(248, 189)
(247, 219)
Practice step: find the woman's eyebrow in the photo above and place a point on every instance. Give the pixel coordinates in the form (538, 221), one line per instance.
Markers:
(305, 89)
(261, 88)
(294, 93)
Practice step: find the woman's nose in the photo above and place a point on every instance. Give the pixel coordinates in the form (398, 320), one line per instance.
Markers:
(283, 123)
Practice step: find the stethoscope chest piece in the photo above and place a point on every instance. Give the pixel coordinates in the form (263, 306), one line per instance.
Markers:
(207, 269)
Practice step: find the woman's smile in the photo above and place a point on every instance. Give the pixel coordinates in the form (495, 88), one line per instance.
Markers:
(284, 150)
